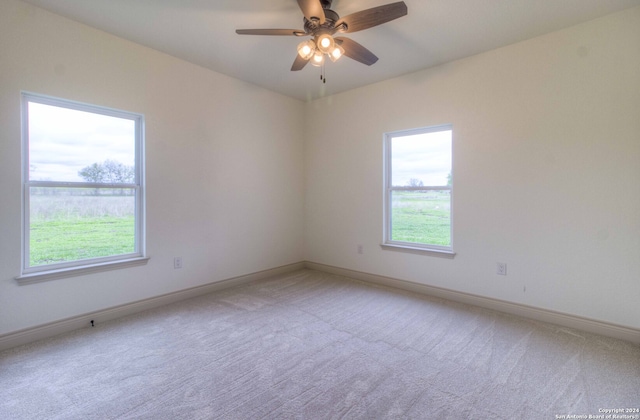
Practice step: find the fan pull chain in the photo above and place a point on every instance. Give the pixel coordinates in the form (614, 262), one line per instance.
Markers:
(323, 75)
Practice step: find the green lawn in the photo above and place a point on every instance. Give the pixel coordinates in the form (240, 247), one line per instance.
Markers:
(72, 238)
(74, 228)
(421, 217)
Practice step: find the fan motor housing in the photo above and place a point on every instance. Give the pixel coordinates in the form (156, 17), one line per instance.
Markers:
(331, 17)
(326, 4)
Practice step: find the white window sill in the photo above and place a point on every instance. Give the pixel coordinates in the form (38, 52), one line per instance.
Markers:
(80, 270)
(443, 253)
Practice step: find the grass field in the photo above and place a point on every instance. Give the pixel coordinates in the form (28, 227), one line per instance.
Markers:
(68, 228)
(421, 217)
(74, 227)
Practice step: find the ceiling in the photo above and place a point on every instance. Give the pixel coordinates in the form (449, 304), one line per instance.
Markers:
(434, 32)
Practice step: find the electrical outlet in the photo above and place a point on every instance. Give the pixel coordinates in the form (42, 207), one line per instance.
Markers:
(177, 262)
(501, 269)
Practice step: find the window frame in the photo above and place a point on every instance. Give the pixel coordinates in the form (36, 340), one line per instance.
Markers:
(82, 266)
(416, 247)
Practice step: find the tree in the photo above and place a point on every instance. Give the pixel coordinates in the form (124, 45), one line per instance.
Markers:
(92, 173)
(118, 173)
(415, 182)
(108, 172)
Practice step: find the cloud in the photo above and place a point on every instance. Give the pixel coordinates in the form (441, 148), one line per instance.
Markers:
(426, 157)
(63, 141)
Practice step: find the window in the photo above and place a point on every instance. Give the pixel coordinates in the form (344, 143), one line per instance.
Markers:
(418, 189)
(83, 198)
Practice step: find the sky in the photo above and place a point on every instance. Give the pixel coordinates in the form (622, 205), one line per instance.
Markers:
(426, 157)
(62, 141)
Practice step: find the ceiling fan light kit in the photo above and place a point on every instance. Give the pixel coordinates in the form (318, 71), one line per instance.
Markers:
(322, 23)
(317, 48)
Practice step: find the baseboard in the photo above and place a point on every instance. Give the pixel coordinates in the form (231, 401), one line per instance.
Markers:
(553, 317)
(51, 329)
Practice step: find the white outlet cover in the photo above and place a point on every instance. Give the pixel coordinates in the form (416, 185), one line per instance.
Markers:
(501, 269)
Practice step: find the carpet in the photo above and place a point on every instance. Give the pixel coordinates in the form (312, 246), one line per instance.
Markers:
(310, 345)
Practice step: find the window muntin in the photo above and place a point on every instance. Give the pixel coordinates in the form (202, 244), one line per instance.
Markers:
(418, 188)
(83, 185)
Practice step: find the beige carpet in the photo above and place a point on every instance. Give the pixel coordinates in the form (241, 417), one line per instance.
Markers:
(309, 345)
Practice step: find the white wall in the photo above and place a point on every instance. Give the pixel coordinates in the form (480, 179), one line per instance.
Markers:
(546, 171)
(223, 165)
(547, 152)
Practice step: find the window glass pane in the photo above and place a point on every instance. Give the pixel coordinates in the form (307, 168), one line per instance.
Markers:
(422, 217)
(421, 160)
(67, 145)
(68, 224)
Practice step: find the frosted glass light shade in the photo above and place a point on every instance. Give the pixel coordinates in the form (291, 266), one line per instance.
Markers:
(325, 43)
(336, 53)
(317, 59)
(306, 49)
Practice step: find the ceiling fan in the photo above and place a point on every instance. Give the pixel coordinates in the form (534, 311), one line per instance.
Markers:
(321, 23)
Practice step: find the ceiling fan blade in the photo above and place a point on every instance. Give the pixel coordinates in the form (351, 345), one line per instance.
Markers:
(299, 63)
(373, 17)
(295, 32)
(356, 51)
(312, 9)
